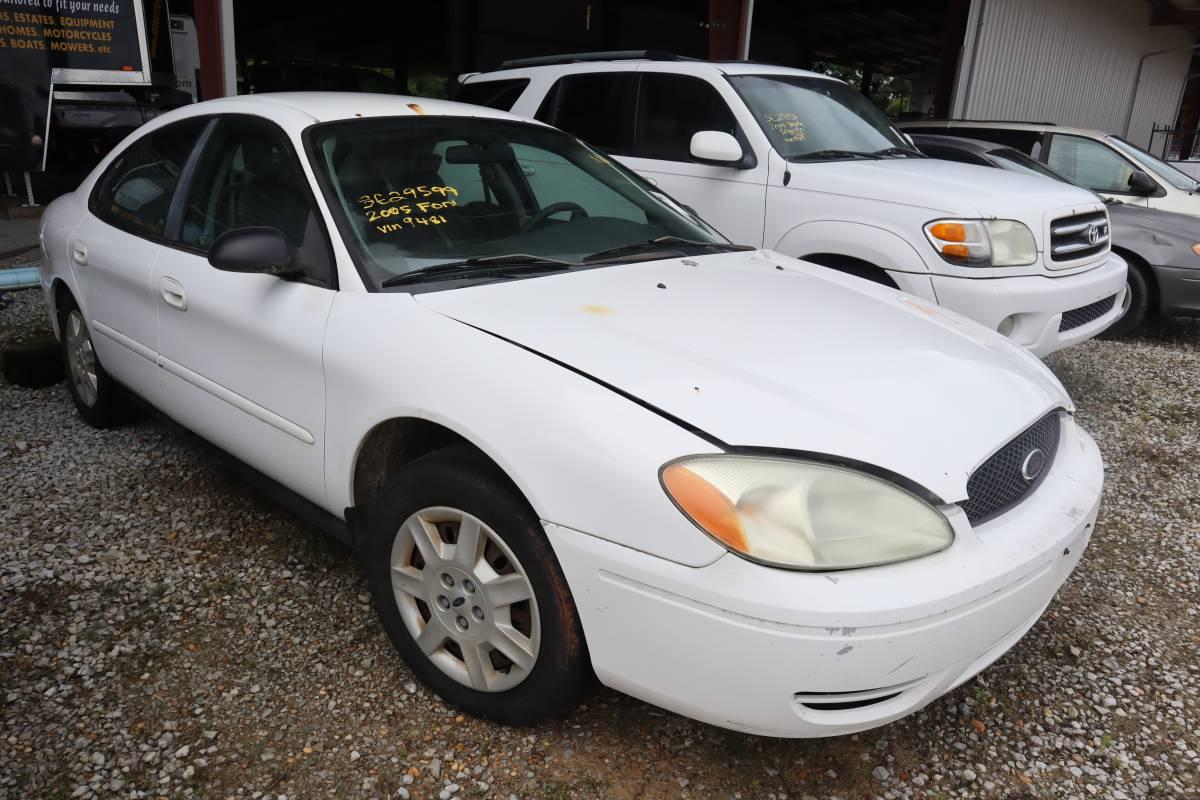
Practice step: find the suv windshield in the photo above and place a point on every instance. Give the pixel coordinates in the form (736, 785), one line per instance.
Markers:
(415, 193)
(807, 115)
(1173, 176)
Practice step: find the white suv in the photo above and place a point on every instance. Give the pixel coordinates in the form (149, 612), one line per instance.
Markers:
(801, 163)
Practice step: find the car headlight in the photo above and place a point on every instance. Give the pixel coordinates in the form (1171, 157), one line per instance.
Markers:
(983, 242)
(802, 514)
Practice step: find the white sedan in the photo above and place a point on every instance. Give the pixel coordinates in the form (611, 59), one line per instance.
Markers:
(566, 426)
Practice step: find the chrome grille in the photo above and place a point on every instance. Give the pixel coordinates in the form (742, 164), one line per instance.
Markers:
(1085, 314)
(998, 484)
(1078, 236)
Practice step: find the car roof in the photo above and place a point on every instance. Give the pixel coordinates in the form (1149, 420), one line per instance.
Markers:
(332, 106)
(958, 142)
(694, 66)
(1038, 127)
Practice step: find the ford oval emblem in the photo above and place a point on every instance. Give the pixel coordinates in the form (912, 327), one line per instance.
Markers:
(1033, 464)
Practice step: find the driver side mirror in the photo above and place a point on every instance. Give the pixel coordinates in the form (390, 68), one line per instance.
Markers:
(259, 250)
(1142, 184)
(717, 148)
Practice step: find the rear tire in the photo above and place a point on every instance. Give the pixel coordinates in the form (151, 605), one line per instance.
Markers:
(1138, 302)
(98, 398)
(470, 593)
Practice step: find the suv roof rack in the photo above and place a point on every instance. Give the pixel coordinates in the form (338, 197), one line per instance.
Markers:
(602, 55)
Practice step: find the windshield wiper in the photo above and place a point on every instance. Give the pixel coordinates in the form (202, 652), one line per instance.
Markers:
(906, 152)
(676, 243)
(505, 264)
(829, 155)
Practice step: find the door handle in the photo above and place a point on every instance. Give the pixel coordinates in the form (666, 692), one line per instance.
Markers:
(172, 293)
(79, 252)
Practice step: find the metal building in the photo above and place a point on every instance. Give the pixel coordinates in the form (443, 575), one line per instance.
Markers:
(1114, 65)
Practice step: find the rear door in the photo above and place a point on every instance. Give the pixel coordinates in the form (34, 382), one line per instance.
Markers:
(114, 249)
(241, 353)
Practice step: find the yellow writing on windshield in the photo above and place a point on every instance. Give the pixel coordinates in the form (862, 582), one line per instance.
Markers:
(787, 125)
(368, 201)
(411, 222)
(408, 208)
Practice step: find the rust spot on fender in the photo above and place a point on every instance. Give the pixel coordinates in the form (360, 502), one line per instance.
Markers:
(416, 107)
(599, 311)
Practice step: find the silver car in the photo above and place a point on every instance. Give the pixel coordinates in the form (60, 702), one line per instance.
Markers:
(1162, 247)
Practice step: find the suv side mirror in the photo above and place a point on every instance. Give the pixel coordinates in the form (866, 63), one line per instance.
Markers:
(1142, 184)
(261, 250)
(717, 148)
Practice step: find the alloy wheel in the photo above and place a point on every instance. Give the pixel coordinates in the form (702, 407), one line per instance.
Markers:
(81, 359)
(465, 599)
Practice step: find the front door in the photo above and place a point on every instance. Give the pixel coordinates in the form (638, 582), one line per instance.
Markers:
(241, 353)
(673, 107)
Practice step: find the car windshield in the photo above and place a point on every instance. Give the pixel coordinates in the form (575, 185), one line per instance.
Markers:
(1173, 176)
(415, 193)
(808, 116)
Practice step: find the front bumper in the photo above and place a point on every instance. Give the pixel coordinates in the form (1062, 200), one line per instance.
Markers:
(766, 651)
(1037, 303)
(1179, 291)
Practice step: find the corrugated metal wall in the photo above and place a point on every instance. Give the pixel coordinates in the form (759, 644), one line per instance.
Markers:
(1071, 62)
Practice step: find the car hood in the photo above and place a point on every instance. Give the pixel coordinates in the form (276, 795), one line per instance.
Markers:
(761, 350)
(944, 186)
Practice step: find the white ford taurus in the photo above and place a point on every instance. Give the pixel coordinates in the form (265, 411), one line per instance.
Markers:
(565, 425)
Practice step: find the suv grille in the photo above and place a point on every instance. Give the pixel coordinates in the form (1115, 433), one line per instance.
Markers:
(1078, 236)
(999, 484)
(1085, 314)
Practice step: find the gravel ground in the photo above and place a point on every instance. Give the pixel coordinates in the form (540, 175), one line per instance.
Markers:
(167, 632)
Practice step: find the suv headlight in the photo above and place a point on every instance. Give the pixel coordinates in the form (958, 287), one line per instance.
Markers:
(802, 514)
(983, 242)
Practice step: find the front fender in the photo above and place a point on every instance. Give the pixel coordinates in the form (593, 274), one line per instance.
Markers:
(584, 456)
(870, 243)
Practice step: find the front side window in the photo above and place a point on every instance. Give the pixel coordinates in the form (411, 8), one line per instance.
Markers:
(595, 106)
(1090, 163)
(1154, 164)
(248, 176)
(415, 193)
(804, 116)
(135, 194)
(673, 107)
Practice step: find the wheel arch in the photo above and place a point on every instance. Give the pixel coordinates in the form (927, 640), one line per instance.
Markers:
(853, 266)
(60, 294)
(393, 443)
(1139, 263)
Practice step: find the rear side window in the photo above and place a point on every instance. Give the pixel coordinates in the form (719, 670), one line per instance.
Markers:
(501, 95)
(135, 194)
(673, 107)
(595, 106)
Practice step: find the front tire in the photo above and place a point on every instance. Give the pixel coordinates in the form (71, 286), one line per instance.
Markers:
(97, 396)
(470, 593)
(1137, 303)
